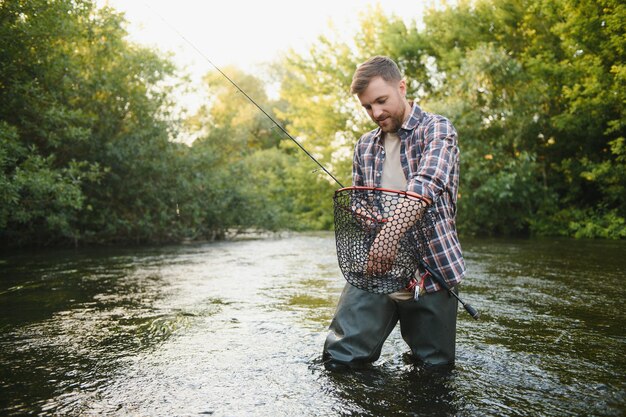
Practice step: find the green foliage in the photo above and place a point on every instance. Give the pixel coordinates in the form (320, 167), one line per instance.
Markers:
(86, 154)
(38, 201)
(542, 79)
(247, 170)
(535, 88)
(582, 224)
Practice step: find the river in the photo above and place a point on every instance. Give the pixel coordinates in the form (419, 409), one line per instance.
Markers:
(236, 328)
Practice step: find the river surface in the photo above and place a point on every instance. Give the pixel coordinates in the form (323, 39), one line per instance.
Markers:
(236, 328)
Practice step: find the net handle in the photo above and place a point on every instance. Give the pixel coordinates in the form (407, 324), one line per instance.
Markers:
(409, 194)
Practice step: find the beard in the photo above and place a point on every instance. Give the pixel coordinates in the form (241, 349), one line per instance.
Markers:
(389, 123)
(391, 120)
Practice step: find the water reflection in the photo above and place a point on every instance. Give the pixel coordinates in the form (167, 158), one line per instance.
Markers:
(387, 391)
(236, 328)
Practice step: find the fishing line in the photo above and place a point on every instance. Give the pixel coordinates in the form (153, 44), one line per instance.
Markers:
(206, 58)
(475, 314)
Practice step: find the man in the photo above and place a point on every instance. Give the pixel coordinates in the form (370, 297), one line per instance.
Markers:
(415, 151)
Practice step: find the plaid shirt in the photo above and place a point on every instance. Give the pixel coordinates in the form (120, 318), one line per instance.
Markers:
(429, 155)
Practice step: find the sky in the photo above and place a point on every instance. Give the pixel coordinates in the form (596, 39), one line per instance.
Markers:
(244, 33)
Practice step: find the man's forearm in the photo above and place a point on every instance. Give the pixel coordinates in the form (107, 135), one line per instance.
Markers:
(406, 214)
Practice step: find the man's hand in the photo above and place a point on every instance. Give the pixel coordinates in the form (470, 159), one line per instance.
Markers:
(367, 218)
(383, 251)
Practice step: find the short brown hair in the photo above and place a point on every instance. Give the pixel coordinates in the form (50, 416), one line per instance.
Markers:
(378, 66)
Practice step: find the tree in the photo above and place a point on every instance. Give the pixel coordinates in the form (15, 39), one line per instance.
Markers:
(86, 127)
(561, 101)
(237, 149)
(535, 89)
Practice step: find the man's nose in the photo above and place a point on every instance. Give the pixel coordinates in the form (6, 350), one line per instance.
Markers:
(376, 111)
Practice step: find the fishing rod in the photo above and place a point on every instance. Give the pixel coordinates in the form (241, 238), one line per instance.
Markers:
(472, 311)
(258, 106)
(435, 275)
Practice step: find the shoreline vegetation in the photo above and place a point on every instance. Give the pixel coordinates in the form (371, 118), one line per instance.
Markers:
(90, 135)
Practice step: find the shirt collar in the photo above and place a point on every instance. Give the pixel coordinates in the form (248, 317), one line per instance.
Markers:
(414, 118)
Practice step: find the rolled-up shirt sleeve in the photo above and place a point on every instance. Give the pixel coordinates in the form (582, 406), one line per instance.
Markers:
(438, 159)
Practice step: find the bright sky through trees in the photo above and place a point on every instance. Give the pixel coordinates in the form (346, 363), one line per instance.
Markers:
(245, 33)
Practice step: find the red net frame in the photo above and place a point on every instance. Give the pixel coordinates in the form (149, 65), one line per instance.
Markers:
(381, 236)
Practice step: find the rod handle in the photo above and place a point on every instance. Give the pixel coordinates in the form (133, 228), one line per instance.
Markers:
(472, 311)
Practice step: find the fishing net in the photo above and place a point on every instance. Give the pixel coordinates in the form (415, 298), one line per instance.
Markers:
(381, 236)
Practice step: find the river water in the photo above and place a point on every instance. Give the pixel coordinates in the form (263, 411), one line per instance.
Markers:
(236, 328)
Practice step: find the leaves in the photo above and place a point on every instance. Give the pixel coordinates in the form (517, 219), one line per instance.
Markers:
(536, 86)
(88, 127)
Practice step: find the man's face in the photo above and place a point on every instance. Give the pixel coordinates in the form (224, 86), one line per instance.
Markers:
(385, 103)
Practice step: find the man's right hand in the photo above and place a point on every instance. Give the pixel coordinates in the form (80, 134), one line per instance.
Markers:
(383, 251)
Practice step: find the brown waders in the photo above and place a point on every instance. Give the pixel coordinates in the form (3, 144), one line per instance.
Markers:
(363, 321)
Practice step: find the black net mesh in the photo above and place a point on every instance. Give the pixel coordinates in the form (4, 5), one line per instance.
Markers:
(381, 236)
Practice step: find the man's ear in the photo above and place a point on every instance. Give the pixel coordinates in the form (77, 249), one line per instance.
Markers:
(402, 87)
